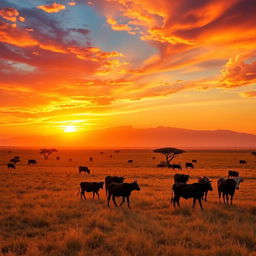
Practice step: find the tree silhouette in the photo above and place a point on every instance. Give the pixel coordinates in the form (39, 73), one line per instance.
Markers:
(169, 153)
(46, 152)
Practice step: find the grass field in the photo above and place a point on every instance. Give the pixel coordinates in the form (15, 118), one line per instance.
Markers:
(41, 213)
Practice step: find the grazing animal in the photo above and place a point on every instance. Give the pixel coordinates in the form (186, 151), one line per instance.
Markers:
(162, 164)
(110, 179)
(242, 161)
(189, 165)
(32, 161)
(194, 161)
(93, 187)
(175, 166)
(91, 159)
(84, 169)
(121, 190)
(11, 166)
(195, 191)
(201, 180)
(227, 186)
(15, 160)
(233, 173)
(130, 161)
(181, 178)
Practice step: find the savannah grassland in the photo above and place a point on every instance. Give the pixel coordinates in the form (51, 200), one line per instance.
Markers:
(41, 213)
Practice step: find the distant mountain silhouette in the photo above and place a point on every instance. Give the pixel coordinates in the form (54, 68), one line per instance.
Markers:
(128, 136)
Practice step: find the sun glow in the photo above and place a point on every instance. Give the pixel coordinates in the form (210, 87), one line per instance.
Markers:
(70, 129)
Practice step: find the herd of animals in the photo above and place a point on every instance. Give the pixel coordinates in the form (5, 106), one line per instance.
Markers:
(116, 187)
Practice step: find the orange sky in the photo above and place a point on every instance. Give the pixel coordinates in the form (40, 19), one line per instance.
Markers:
(98, 64)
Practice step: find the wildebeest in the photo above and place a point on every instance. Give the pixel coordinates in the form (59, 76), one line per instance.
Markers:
(189, 165)
(242, 161)
(201, 180)
(121, 189)
(11, 166)
(181, 178)
(130, 161)
(15, 160)
(91, 159)
(110, 179)
(32, 161)
(175, 166)
(84, 169)
(233, 173)
(194, 161)
(226, 187)
(93, 187)
(195, 191)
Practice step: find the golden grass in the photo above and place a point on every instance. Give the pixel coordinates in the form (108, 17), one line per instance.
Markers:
(42, 215)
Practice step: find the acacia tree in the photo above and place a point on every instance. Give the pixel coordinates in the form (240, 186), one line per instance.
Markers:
(46, 152)
(169, 153)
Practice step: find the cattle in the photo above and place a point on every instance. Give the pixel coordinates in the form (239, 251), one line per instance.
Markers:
(226, 187)
(121, 190)
(110, 179)
(130, 161)
(32, 161)
(11, 166)
(181, 178)
(242, 161)
(93, 187)
(232, 174)
(194, 161)
(195, 191)
(84, 169)
(175, 166)
(189, 165)
(201, 180)
(91, 159)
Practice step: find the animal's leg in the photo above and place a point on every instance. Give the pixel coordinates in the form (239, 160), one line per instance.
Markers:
(93, 193)
(200, 202)
(122, 201)
(205, 197)
(114, 200)
(223, 196)
(227, 198)
(83, 194)
(178, 201)
(128, 201)
(231, 199)
(109, 195)
(194, 202)
(97, 195)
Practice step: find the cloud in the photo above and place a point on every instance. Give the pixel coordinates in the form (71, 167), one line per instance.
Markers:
(52, 8)
(9, 14)
(249, 94)
(238, 73)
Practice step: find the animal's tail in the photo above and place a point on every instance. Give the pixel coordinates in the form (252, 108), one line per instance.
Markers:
(172, 195)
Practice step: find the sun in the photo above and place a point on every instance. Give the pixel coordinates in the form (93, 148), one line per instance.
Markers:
(70, 129)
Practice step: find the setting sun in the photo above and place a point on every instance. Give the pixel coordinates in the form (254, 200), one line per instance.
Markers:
(69, 129)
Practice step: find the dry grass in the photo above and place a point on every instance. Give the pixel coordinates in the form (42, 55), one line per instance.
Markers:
(41, 214)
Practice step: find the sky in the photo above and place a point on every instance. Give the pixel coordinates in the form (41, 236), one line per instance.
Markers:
(76, 65)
